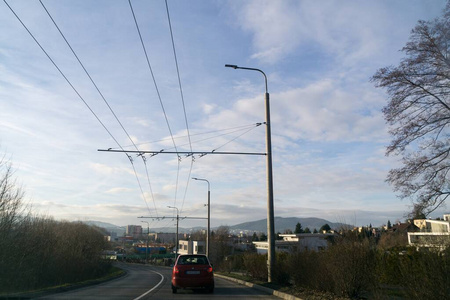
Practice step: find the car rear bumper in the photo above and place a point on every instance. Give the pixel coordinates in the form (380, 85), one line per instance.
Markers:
(182, 282)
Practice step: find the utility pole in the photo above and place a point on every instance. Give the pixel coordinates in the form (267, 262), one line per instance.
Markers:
(270, 209)
(178, 217)
(146, 249)
(208, 234)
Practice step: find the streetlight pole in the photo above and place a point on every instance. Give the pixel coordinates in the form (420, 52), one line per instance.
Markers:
(178, 217)
(270, 209)
(209, 214)
(146, 249)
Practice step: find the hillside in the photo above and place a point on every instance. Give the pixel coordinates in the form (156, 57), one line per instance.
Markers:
(282, 224)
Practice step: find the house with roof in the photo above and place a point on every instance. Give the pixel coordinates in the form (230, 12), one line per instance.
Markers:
(191, 247)
(292, 243)
(432, 234)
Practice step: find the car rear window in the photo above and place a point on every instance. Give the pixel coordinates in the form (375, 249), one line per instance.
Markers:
(192, 260)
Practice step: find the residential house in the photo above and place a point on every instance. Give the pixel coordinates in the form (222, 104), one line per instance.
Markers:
(432, 235)
(298, 242)
(191, 247)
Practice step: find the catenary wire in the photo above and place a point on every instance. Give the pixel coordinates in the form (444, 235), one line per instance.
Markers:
(159, 97)
(178, 74)
(184, 106)
(235, 138)
(235, 129)
(71, 85)
(214, 137)
(107, 104)
(63, 75)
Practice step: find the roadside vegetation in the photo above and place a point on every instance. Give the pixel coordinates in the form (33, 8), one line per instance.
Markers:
(355, 266)
(38, 252)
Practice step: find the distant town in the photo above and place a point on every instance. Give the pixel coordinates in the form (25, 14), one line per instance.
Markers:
(133, 242)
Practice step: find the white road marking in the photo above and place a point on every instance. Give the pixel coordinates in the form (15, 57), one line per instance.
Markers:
(149, 291)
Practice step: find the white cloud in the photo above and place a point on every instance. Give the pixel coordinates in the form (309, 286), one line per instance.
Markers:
(118, 190)
(327, 129)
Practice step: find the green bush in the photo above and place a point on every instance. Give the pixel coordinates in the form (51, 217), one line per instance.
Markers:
(256, 265)
(351, 267)
(307, 269)
(281, 272)
(425, 275)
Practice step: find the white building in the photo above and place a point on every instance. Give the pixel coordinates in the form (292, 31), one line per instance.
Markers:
(191, 247)
(298, 242)
(434, 234)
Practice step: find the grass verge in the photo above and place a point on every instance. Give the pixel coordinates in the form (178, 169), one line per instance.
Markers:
(303, 293)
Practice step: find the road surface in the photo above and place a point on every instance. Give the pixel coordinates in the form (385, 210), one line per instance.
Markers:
(150, 282)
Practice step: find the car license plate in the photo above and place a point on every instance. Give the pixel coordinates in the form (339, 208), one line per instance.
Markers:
(193, 272)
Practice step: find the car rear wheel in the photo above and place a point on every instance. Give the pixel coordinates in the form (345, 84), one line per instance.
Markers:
(174, 290)
(211, 290)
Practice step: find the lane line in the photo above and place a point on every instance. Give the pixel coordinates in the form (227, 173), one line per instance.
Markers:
(149, 291)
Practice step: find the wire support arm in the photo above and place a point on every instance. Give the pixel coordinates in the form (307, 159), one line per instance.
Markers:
(141, 152)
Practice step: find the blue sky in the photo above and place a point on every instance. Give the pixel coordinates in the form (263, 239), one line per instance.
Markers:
(328, 132)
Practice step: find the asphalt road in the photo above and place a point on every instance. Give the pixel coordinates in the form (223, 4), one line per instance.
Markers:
(150, 282)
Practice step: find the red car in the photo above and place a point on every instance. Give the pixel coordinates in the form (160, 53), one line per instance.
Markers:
(192, 271)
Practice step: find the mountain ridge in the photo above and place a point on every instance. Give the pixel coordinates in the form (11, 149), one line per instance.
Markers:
(281, 225)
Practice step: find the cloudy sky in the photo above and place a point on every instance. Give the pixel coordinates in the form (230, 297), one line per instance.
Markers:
(328, 132)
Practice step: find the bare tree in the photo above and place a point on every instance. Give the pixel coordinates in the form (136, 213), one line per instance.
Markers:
(418, 113)
(11, 198)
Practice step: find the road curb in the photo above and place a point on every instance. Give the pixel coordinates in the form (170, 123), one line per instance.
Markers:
(260, 288)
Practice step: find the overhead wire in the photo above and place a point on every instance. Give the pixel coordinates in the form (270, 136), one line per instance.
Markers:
(235, 138)
(247, 130)
(235, 129)
(159, 97)
(63, 75)
(182, 100)
(110, 108)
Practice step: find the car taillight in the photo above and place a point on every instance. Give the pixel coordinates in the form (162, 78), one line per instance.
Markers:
(210, 269)
(175, 270)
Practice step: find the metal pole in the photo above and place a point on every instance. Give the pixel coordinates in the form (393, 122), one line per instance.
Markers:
(209, 215)
(270, 207)
(146, 249)
(176, 251)
(176, 239)
(208, 235)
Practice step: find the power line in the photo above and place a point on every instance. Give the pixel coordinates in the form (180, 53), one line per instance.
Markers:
(178, 74)
(235, 129)
(233, 139)
(140, 152)
(159, 95)
(184, 106)
(63, 75)
(107, 104)
(151, 72)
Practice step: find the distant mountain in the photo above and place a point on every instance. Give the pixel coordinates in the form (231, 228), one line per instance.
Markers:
(282, 224)
(119, 231)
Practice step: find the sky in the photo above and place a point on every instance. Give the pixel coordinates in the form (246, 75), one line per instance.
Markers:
(328, 131)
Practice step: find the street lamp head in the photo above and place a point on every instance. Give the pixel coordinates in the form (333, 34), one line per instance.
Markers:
(173, 207)
(231, 66)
